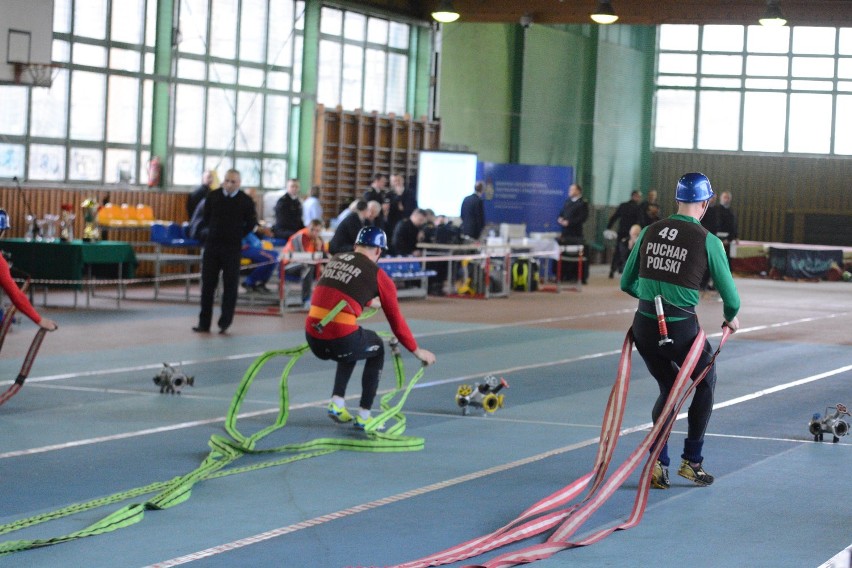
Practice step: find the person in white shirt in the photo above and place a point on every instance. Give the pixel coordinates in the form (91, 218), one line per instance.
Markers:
(311, 207)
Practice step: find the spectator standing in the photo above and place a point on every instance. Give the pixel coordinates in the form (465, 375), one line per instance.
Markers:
(650, 209)
(726, 222)
(288, 212)
(378, 192)
(378, 189)
(311, 207)
(403, 202)
(229, 216)
(473, 212)
(627, 214)
(571, 218)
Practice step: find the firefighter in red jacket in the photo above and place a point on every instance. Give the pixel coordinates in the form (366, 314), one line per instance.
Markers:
(350, 282)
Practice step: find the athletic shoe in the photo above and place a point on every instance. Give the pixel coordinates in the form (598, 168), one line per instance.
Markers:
(695, 474)
(338, 413)
(660, 477)
(361, 423)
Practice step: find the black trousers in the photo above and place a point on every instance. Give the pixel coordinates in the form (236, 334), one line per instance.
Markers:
(664, 363)
(213, 261)
(347, 351)
(619, 256)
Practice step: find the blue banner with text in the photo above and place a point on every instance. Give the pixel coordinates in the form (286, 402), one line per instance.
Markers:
(519, 193)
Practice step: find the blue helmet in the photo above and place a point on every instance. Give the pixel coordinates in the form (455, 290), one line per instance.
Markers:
(693, 188)
(372, 237)
(4, 220)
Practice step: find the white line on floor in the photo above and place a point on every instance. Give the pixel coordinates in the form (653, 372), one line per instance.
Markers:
(454, 481)
(192, 424)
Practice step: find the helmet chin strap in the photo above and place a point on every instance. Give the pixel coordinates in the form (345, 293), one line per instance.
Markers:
(705, 205)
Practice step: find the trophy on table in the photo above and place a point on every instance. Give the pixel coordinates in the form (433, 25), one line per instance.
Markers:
(48, 229)
(91, 233)
(66, 223)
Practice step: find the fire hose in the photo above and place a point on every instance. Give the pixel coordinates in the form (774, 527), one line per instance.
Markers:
(29, 359)
(546, 515)
(225, 450)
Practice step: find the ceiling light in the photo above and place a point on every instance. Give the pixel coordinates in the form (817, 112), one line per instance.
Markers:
(445, 13)
(773, 15)
(604, 14)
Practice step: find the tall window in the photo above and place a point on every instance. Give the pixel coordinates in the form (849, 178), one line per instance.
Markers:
(234, 83)
(363, 62)
(93, 123)
(238, 64)
(754, 89)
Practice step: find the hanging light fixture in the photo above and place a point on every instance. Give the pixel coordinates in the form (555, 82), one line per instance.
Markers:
(604, 14)
(445, 13)
(773, 15)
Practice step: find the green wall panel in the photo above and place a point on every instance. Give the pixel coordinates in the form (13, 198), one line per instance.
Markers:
(619, 128)
(556, 83)
(475, 97)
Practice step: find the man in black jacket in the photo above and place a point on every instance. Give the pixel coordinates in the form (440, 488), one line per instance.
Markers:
(473, 212)
(288, 212)
(348, 229)
(408, 233)
(628, 214)
(574, 213)
(229, 215)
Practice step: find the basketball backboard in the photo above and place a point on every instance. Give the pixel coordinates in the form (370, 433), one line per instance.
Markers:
(26, 37)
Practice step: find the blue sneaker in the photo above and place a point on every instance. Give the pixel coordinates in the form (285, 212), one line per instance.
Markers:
(339, 414)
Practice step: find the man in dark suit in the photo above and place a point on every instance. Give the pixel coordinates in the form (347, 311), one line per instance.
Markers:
(229, 215)
(574, 213)
(473, 212)
(628, 214)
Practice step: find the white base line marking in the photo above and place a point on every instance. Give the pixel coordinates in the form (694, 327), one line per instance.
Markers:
(258, 354)
(455, 481)
(193, 424)
(842, 559)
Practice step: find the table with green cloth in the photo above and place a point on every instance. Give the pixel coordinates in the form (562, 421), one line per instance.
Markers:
(68, 263)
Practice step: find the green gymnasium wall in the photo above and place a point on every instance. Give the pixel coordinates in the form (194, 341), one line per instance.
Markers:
(475, 89)
(584, 100)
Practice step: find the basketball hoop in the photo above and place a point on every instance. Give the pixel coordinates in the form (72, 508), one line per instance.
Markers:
(36, 74)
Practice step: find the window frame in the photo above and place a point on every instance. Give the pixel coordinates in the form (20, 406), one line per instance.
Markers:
(749, 85)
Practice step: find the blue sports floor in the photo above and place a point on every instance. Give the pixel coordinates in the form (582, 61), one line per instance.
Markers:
(90, 423)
